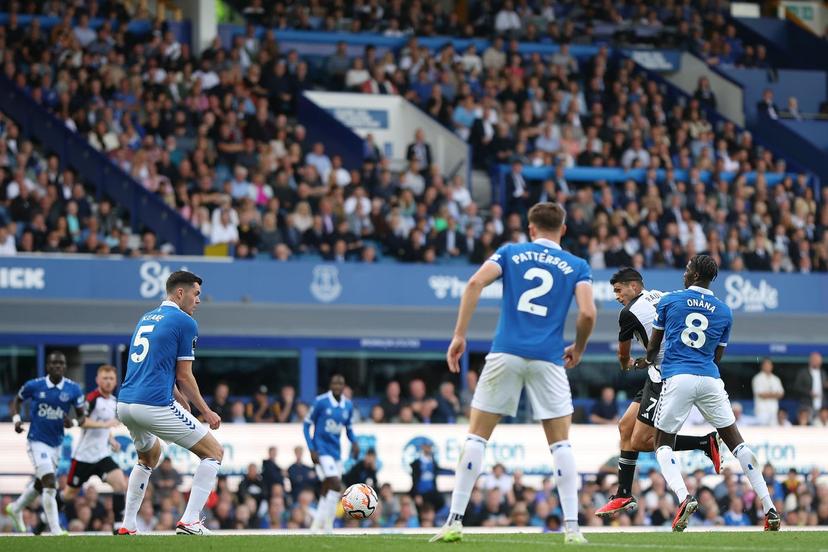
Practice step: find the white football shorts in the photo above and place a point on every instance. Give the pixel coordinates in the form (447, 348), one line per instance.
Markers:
(44, 458)
(328, 467)
(680, 392)
(171, 423)
(504, 376)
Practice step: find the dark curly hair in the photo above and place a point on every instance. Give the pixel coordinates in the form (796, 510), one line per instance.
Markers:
(705, 267)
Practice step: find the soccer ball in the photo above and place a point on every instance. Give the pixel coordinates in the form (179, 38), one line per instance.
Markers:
(359, 501)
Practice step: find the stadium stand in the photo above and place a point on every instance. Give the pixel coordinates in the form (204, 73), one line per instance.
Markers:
(214, 136)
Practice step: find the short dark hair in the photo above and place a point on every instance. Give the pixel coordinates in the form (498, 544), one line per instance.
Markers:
(705, 267)
(547, 216)
(181, 278)
(626, 275)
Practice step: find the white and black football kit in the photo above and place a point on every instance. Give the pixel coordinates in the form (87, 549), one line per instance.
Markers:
(93, 455)
(636, 321)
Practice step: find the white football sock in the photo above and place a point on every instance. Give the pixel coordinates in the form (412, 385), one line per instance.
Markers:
(51, 509)
(330, 508)
(28, 496)
(203, 482)
(319, 516)
(748, 461)
(136, 488)
(671, 471)
(566, 479)
(470, 466)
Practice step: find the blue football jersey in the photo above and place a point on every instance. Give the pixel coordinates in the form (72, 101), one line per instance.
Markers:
(539, 280)
(50, 404)
(162, 337)
(328, 419)
(695, 323)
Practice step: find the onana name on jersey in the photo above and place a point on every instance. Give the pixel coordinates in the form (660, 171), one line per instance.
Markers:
(701, 304)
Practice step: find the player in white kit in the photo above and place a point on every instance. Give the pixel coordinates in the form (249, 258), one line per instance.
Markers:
(93, 453)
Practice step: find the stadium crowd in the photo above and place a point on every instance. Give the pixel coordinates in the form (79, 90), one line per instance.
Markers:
(273, 496)
(214, 135)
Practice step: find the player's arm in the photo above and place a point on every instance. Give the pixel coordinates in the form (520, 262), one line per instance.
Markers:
(14, 410)
(627, 325)
(654, 346)
(717, 358)
(310, 420)
(624, 358)
(587, 314)
(189, 388)
(485, 275)
(80, 413)
(180, 398)
(719, 354)
(349, 431)
(656, 337)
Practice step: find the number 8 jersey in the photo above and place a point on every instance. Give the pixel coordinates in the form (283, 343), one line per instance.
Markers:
(162, 337)
(695, 323)
(539, 280)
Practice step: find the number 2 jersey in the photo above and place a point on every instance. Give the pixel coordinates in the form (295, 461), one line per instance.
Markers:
(695, 324)
(162, 337)
(539, 280)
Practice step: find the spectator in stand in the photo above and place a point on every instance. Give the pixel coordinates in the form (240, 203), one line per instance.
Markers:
(261, 409)
(605, 410)
(811, 384)
(252, 486)
(363, 471)
(767, 390)
(424, 472)
(166, 480)
(392, 403)
(219, 404)
(421, 405)
(448, 405)
(271, 472)
(301, 476)
(766, 107)
(704, 94)
(286, 405)
(792, 112)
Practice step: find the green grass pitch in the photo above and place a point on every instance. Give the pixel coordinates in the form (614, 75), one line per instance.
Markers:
(785, 541)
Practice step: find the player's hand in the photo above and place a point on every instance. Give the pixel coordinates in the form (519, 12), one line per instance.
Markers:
(67, 422)
(116, 446)
(641, 364)
(18, 427)
(114, 422)
(212, 419)
(314, 457)
(572, 357)
(629, 366)
(455, 351)
(355, 450)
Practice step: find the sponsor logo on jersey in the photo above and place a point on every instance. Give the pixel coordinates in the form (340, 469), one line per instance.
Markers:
(332, 426)
(743, 294)
(49, 412)
(325, 286)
